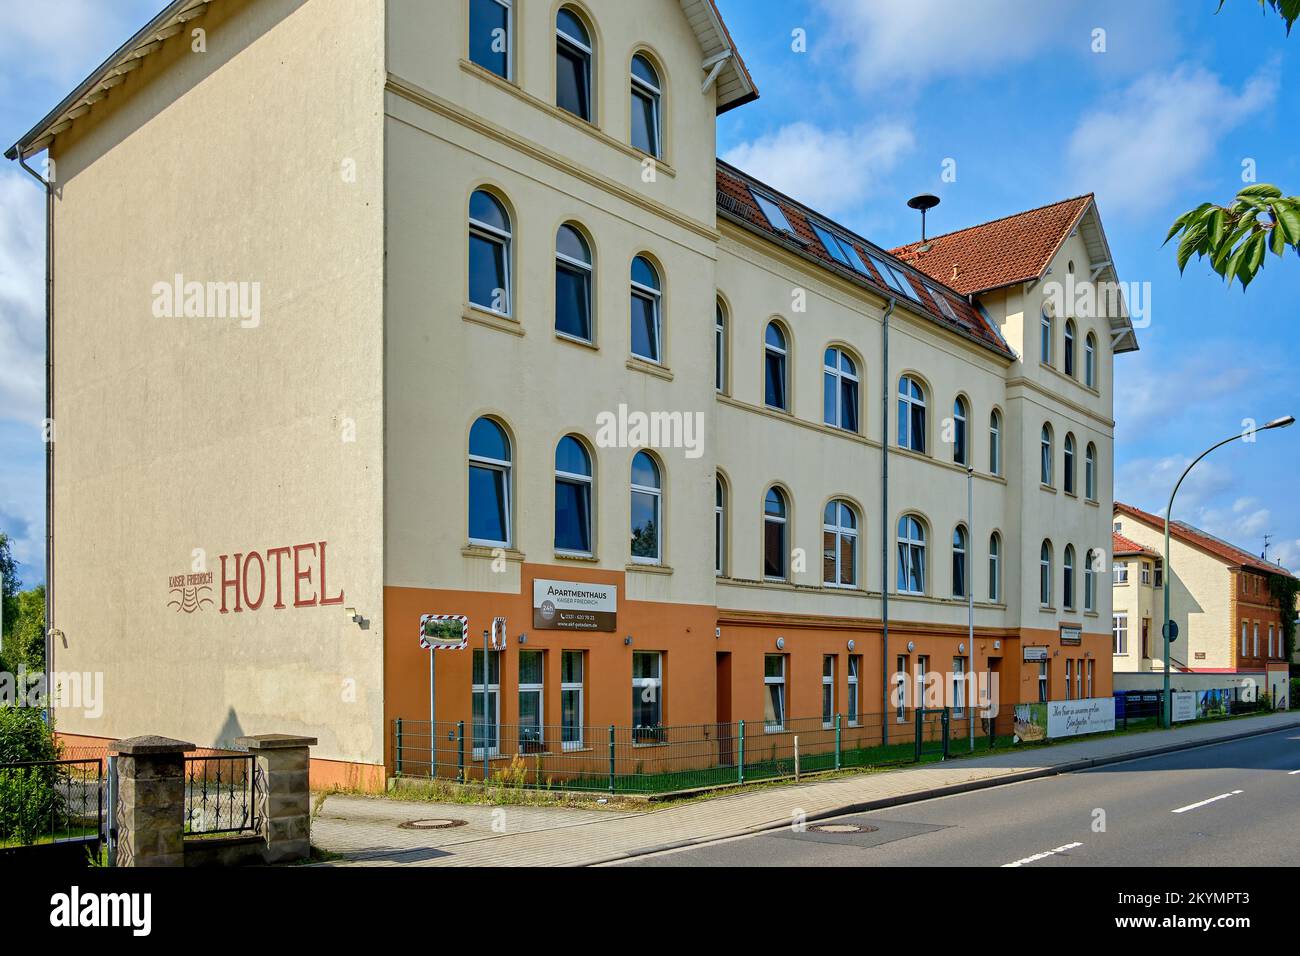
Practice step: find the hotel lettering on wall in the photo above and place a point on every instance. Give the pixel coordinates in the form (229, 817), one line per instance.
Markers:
(297, 573)
(574, 606)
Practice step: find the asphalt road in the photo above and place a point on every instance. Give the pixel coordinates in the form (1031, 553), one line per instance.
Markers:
(1229, 804)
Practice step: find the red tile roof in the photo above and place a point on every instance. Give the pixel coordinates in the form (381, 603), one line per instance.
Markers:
(736, 201)
(1205, 541)
(1120, 545)
(999, 253)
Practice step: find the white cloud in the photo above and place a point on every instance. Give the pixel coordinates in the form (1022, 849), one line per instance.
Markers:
(1140, 148)
(833, 170)
(22, 300)
(1146, 483)
(63, 40)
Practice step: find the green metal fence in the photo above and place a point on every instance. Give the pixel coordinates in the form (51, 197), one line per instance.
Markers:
(670, 759)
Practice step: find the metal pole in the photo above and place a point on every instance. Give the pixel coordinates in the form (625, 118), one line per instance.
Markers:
(1166, 709)
(970, 595)
(487, 673)
(885, 525)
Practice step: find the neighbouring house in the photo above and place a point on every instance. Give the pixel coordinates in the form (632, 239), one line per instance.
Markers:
(390, 322)
(1229, 626)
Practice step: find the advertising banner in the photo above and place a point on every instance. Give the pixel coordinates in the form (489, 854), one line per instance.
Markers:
(1184, 706)
(574, 606)
(1064, 718)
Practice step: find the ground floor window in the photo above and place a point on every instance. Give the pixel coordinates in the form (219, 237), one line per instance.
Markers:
(922, 666)
(1090, 663)
(959, 687)
(774, 697)
(1042, 682)
(647, 693)
(855, 702)
(571, 686)
(531, 691)
(828, 690)
(486, 708)
(900, 688)
(1069, 682)
(1078, 679)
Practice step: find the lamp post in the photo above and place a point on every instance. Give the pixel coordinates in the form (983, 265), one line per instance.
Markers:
(1167, 706)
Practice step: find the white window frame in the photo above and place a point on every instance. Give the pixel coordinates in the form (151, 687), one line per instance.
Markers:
(1090, 361)
(959, 687)
(995, 442)
(778, 681)
(1070, 447)
(906, 546)
(578, 687)
(961, 431)
(1068, 580)
(840, 534)
(510, 39)
(505, 239)
(507, 471)
(590, 53)
(1256, 654)
(910, 401)
(855, 688)
(1119, 573)
(1119, 634)
(1046, 586)
(839, 376)
(1044, 691)
(642, 683)
(995, 568)
(655, 95)
(590, 482)
(1245, 639)
(962, 549)
(1090, 662)
(1090, 472)
(589, 269)
(782, 519)
(1047, 333)
(1068, 365)
(720, 350)
(900, 681)
(537, 689)
(658, 495)
(784, 354)
(720, 527)
(1046, 455)
(828, 685)
(1069, 678)
(655, 298)
(1089, 583)
(486, 688)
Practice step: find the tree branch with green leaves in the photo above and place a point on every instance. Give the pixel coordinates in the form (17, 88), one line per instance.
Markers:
(1288, 10)
(1236, 238)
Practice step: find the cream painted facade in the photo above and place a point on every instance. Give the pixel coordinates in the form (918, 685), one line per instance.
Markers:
(327, 150)
(1211, 599)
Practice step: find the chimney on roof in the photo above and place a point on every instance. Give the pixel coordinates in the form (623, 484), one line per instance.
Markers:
(924, 202)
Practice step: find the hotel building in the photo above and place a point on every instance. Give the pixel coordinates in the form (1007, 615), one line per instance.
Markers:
(356, 311)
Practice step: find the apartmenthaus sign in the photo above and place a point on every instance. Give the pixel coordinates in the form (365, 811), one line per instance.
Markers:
(574, 606)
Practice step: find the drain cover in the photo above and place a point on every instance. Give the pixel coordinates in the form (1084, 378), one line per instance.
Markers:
(431, 824)
(842, 828)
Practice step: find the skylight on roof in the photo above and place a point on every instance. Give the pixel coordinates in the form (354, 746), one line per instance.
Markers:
(775, 216)
(941, 301)
(894, 278)
(841, 250)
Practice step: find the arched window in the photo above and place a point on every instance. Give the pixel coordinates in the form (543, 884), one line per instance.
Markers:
(1045, 339)
(490, 30)
(995, 442)
(840, 545)
(719, 526)
(573, 486)
(647, 320)
(775, 518)
(572, 284)
(1045, 574)
(776, 392)
(911, 414)
(840, 390)
(489, 483)
(911, 555)
(646, 97)
(720, 349)
(1090, 472)
(1045, 458)
(1067, 580)
(1068, 478)
(1090, 582)
(995, 567)
(573, 56)
(1090, 361)
(960, 563)
(960, 452)
(1069, 347)
(489, 253)
(647, 510)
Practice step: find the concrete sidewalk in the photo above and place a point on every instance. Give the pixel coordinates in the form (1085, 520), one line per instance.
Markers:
(367, 831)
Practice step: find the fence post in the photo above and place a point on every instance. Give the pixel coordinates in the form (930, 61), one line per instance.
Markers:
(150, 808)
(460, 750)
(916, 716)
(611, 758)
(284, 803)
(838, 739)
(398, 760)
(741, 761)
(945, 733)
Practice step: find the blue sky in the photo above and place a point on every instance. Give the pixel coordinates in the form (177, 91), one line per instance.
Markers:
(1013, 91)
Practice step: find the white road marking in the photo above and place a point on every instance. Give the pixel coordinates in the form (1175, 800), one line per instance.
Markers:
(1293, 773)
(1042, 856)
(1193, 806)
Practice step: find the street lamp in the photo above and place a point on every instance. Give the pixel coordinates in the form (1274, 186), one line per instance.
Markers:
(1283, 422)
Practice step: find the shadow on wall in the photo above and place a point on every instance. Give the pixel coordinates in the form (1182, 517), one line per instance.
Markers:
(231, 730)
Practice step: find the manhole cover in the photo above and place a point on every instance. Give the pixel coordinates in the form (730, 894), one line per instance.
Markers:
(842, 828)
(431, 824)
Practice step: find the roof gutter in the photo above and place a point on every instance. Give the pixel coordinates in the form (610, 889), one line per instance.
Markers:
(47, 432)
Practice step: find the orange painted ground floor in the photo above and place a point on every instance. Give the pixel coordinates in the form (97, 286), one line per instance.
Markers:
(694, 666)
